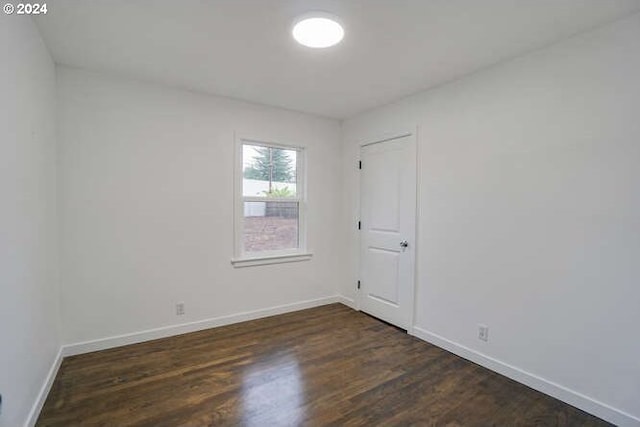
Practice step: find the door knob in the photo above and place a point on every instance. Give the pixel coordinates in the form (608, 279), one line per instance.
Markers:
(404, 244)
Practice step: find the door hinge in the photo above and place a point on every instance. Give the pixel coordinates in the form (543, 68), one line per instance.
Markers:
(359, 225)
(359, 164)
(358, 284)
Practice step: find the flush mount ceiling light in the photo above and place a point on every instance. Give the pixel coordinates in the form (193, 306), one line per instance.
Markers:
(318, 30)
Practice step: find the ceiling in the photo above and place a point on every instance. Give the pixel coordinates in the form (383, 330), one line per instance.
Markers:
(243, 48)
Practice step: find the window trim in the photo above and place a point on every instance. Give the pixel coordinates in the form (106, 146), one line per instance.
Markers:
(243, 259)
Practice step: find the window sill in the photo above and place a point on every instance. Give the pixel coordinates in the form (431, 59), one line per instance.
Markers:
(274, 259)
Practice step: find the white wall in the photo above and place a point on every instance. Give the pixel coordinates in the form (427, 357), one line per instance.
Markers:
(529, 211)
(147, 178)
(255, 187)
(29, 339)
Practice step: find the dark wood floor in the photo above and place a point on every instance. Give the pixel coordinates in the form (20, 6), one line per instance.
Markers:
(324, 366)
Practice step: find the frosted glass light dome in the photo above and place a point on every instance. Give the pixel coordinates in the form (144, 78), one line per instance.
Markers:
(318, 31)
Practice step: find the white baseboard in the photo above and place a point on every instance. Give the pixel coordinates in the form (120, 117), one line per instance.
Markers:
(184, 328)
(349, 302)
(558, 391)
(34, 413)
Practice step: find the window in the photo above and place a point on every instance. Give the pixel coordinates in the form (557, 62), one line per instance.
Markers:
(270, 204)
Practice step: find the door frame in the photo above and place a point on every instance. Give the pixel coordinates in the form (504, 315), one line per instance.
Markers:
(412, 133)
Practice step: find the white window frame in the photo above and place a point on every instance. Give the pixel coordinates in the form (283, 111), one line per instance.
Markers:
(244, 259)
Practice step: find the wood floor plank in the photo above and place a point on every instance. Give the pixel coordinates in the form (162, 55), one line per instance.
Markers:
(326, 366)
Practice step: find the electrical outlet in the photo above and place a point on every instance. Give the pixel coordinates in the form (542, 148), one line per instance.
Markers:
(179, 309)
(483, 332)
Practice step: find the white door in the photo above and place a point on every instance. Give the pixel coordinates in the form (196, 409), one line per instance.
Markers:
(387, 229)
